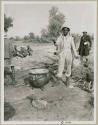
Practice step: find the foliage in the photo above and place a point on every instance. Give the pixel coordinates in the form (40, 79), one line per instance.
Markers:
(52, 31)
(31, 35)
(56, 20)
(8, 22)
(44, 35)
(53, 11)
(17, 38)
(12, 38)
(37, 38)
(26, 37)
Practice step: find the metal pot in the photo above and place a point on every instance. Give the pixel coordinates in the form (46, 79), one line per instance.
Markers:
(39, 77)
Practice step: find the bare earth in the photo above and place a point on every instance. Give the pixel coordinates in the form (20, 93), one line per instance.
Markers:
(68, 104)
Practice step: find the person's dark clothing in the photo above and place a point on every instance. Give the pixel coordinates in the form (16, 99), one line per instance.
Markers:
(7, 52)
(23, 52)
(7, 49)
(29, 50)
(15, 52)
(85, 44)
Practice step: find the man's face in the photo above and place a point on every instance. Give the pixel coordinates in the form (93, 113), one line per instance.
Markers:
(85, 33)
(65, 32)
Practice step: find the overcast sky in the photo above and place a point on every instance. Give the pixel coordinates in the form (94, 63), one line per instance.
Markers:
(33, 17)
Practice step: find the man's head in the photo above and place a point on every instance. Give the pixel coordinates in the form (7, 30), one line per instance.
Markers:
(84, 33)
(65, 31)
(12, 67)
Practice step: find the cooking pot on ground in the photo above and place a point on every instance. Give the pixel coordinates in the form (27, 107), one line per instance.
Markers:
(39, 77)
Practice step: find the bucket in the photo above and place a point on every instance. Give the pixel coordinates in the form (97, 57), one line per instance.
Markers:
(76, 62)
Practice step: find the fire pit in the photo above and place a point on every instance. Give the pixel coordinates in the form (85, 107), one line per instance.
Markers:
(39, 77)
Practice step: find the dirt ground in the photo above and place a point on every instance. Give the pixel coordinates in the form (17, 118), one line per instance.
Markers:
(63, 103)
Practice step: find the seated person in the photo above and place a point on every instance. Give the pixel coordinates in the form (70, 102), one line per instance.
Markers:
(23, 52)
(29, 50)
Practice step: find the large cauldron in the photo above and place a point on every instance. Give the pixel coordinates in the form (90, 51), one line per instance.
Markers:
(39, 77)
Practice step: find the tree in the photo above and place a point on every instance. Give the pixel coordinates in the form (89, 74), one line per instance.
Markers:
(37, 38)
(11, 38)
(31, 35)
(17, 38)
(53, 12)
(8, 22)
(26, 37)
(56, 20)
(44, 35)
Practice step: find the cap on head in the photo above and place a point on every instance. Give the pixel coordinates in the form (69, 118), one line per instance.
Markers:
(84, 32)
(64, 28)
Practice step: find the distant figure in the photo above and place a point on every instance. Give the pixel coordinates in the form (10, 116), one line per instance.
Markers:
(29, 50)
(8, 68)
(13, 73)
(23, 52)
(7, 51)
(85, 45)
(15, 51)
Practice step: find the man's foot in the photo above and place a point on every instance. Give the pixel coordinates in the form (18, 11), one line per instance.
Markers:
(67, 81)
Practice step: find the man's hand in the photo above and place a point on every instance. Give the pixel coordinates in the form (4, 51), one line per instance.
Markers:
(55, 53)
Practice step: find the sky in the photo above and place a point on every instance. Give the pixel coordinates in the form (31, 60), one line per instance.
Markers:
(33, 17)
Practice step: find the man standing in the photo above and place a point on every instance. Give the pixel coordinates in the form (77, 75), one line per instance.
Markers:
(85, 45)
(7, 51)
(15, 51)
(8, 68)
(65, 45)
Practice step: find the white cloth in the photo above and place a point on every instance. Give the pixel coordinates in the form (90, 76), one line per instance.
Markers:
(65, 47)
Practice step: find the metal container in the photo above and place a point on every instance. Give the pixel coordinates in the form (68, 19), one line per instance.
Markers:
(39, 77)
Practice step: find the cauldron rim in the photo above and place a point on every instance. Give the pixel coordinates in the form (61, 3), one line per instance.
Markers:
(38, 71)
